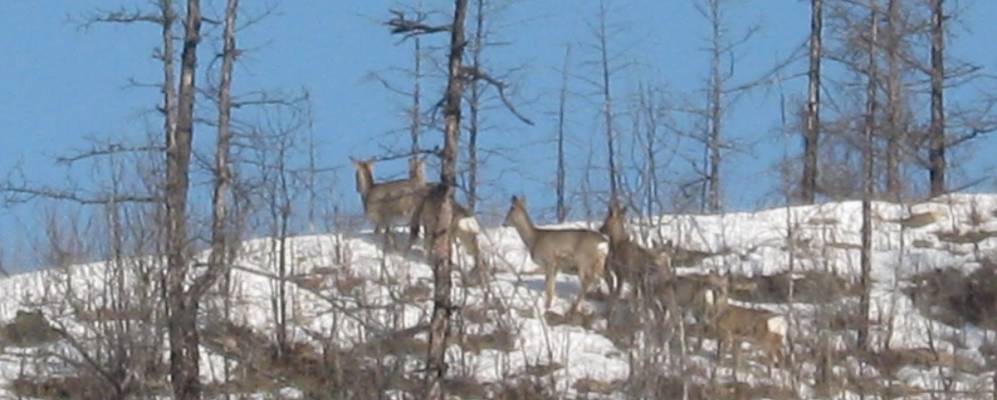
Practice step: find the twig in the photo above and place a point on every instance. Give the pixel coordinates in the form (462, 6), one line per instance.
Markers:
(474, 73)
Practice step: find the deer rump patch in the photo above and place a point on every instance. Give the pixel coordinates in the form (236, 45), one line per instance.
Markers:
(777, 325)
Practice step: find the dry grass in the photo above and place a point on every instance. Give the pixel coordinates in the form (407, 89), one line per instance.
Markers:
(955, 299)
(28, 329)
(808, 287)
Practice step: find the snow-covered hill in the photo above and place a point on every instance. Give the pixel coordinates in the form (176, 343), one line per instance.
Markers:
(345, 294)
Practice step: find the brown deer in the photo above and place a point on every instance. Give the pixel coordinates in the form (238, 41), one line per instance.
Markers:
(389, 203)
(464, 225)
(628, 261)
(691, 293)
(554, 249)
(736, 324)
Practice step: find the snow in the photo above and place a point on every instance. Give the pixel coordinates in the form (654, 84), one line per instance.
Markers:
(824, 237)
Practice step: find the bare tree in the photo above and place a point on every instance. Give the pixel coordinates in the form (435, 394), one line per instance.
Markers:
(182, 318)
(893, 99)
(439, 326)
(474, 103)
(811, 139)
(602, 36)
(415, 114)
(562, 211)
(937, 145)
(720, 45)
(868, 181)
(440, 254)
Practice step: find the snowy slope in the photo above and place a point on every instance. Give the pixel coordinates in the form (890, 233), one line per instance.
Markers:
(357, 297)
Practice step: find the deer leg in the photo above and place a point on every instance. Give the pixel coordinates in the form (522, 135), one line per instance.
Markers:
(586, 281)
(413, 233)
(737, 357)
(549, 280)
(609, 277)
(470, 242)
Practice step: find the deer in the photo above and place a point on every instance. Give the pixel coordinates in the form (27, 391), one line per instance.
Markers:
(463, 224)
(388, 203)
(553, 249)
(736, 324)
(628, 261)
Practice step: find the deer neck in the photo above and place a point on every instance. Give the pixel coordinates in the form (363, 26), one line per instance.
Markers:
(524, 226)
(614, 230)
(364, 182)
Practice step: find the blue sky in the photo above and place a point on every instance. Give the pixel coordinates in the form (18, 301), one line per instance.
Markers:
(62, 84)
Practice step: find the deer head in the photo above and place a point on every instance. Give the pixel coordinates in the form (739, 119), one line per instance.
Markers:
(364, 175)
(416, 170)
(612, 226)
(517, 212)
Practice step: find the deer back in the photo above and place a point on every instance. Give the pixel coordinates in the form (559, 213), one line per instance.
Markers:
(547, 246)
(579, 245)
(762, 327)
(387, 202)
(429, 209)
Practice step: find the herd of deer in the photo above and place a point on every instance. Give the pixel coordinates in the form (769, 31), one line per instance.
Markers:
(609, 253)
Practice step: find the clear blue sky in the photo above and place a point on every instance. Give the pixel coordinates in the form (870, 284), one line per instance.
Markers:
(61, 85)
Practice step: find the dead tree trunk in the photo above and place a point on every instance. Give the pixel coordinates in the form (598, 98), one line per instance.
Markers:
(714, 109)
(562, 211)
(811, 139)
(220, 232)
(893, 101)
(868, 181)
(223, 175)
(607, 101)
(415, 126)
(936, 152)
(474, 106)
(181, 322)
(439, 326)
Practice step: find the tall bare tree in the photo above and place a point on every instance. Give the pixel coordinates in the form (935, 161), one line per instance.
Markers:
(439, 326)
(602, 36)
(474, 104)
(415, 114)
(181, 321)
(868, 177)
(720, 46)
(562, 211)
(893, 128)
(811, 139)
(937, 145)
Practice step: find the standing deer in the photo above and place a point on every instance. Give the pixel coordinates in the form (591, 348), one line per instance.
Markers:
(628, 261)
(464, 225)
(736, 324)
(389, 203)
(553, 249)
(693, 294)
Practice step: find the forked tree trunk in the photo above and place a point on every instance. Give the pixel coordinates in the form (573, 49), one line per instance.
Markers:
(936, 152)
(811, 139)
(439, 326)
(181, 322)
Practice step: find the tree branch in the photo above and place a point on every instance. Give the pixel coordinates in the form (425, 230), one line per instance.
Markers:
(400, 25)
(474, 73)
